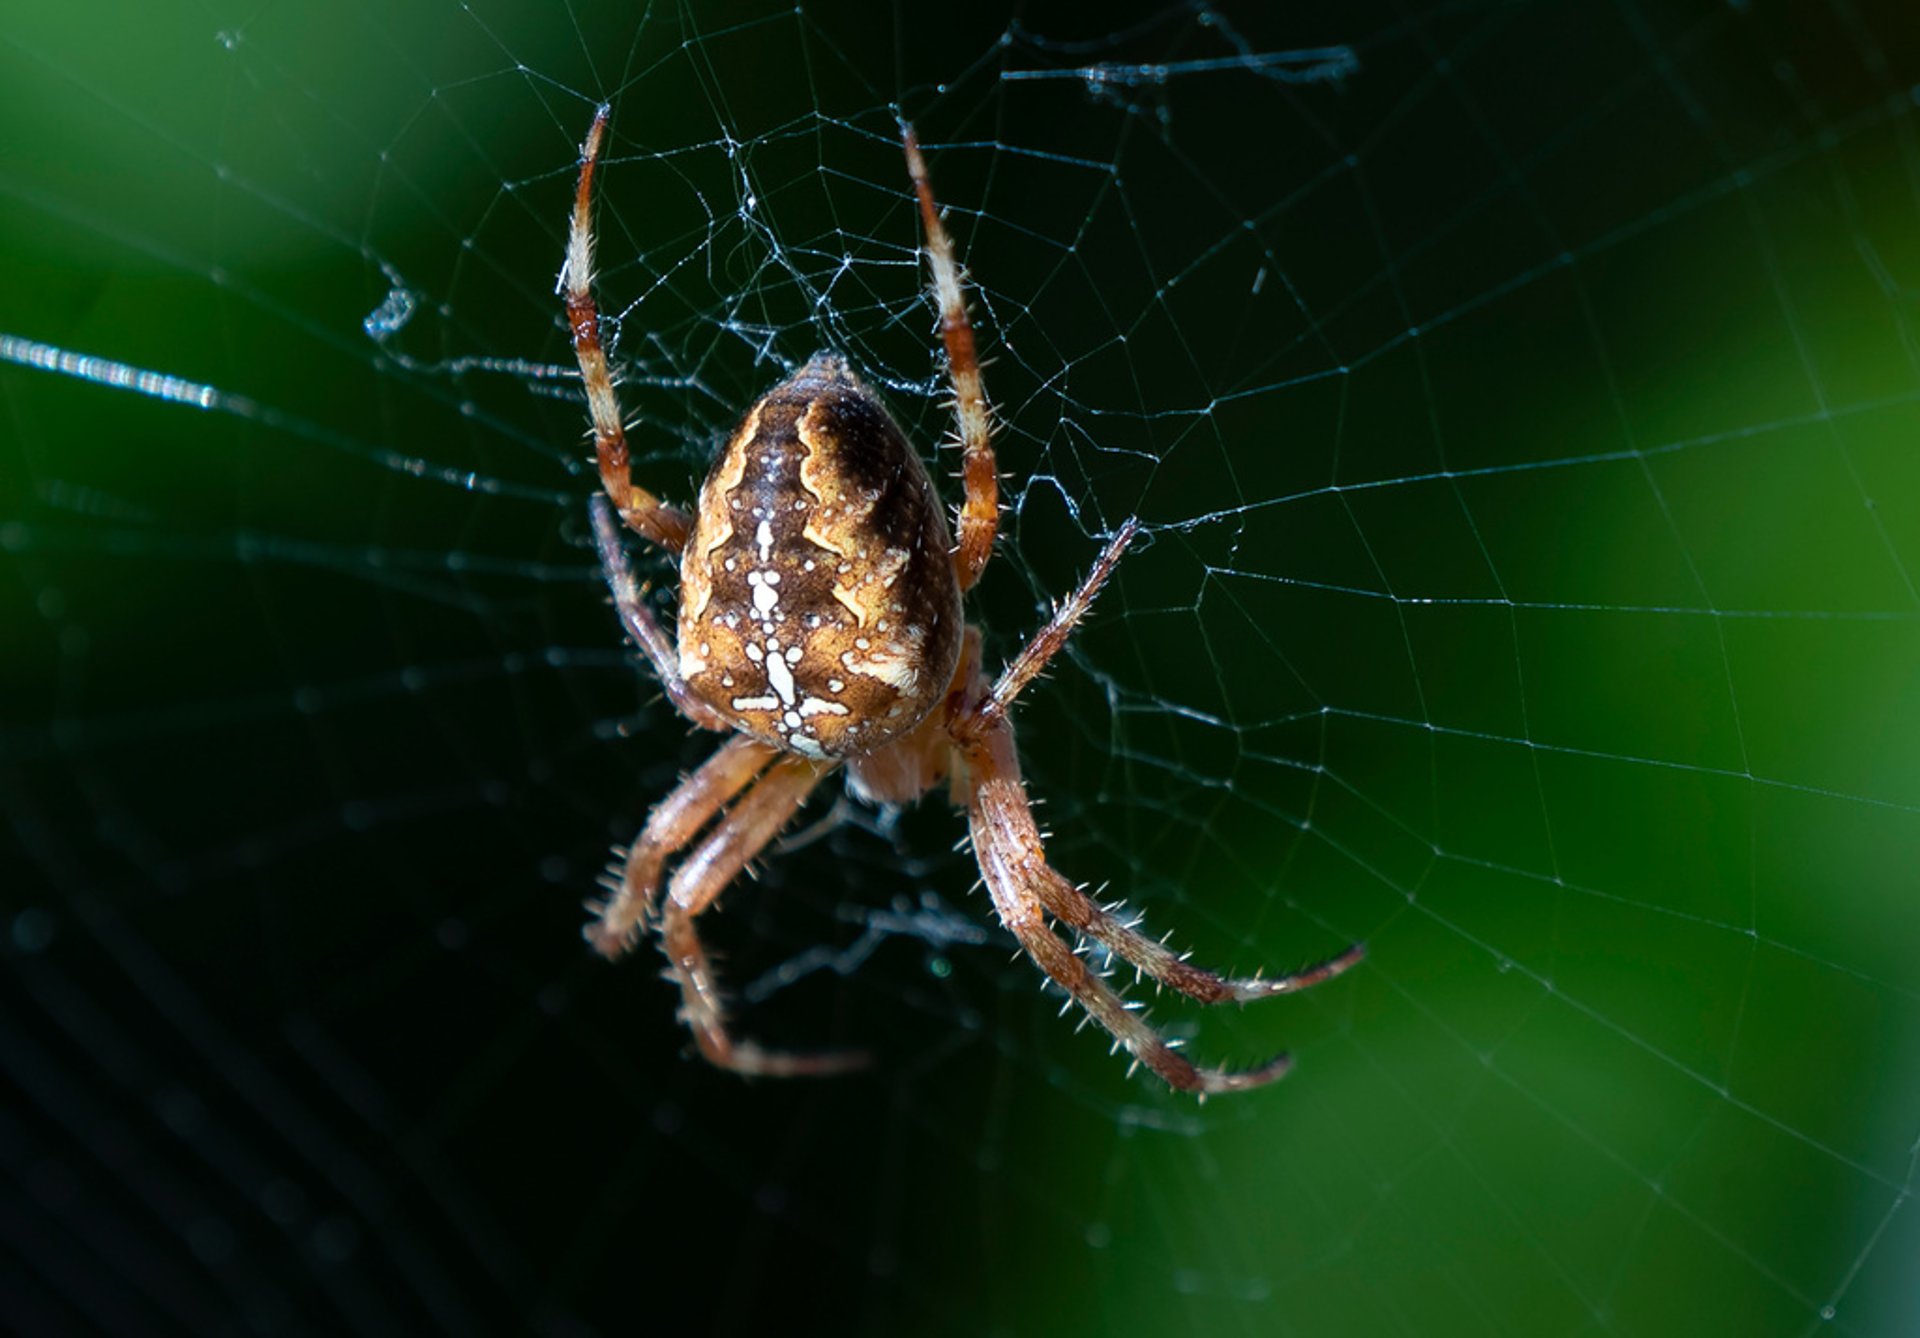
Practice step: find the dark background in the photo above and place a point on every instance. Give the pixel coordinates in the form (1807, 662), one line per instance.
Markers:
(1524, 423)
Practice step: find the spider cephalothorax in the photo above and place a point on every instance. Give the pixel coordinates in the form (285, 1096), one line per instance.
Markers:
(820, 622)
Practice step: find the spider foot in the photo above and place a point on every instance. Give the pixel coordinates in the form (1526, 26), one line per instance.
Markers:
(611, 941)
(1245, 991)
(749, 1060)
(1208, 1081)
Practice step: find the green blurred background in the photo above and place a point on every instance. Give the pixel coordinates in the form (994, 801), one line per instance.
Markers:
(1527, 427)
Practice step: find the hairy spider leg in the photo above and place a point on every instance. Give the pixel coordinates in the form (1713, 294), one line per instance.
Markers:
(1025, 888)
(1072, 907)
(672, 824)
(650, 517)
(980, 512)
(1052, 638)
(747, 828)
(1014, 863)
(641, 625)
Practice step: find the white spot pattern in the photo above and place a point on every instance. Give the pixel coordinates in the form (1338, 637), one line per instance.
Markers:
(781, 677)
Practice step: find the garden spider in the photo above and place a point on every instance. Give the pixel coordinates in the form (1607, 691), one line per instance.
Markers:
(820, 622)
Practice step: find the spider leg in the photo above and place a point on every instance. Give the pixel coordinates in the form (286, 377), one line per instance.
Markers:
(1049, 640)
(1025, 888)
(1014, 863)
(1069, 905)
(674, 822)
(746, 829)
(980, 513)
(647, 514)
(641, 625)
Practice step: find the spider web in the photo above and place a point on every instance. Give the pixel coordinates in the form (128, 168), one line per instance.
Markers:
(1520, 404)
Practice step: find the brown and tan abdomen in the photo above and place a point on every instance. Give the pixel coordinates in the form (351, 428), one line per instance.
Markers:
(819, 610)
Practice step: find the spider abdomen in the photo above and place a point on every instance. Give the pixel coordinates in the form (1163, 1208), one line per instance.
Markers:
(819, 609)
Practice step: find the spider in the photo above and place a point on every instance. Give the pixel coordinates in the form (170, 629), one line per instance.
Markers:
(820, 624)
